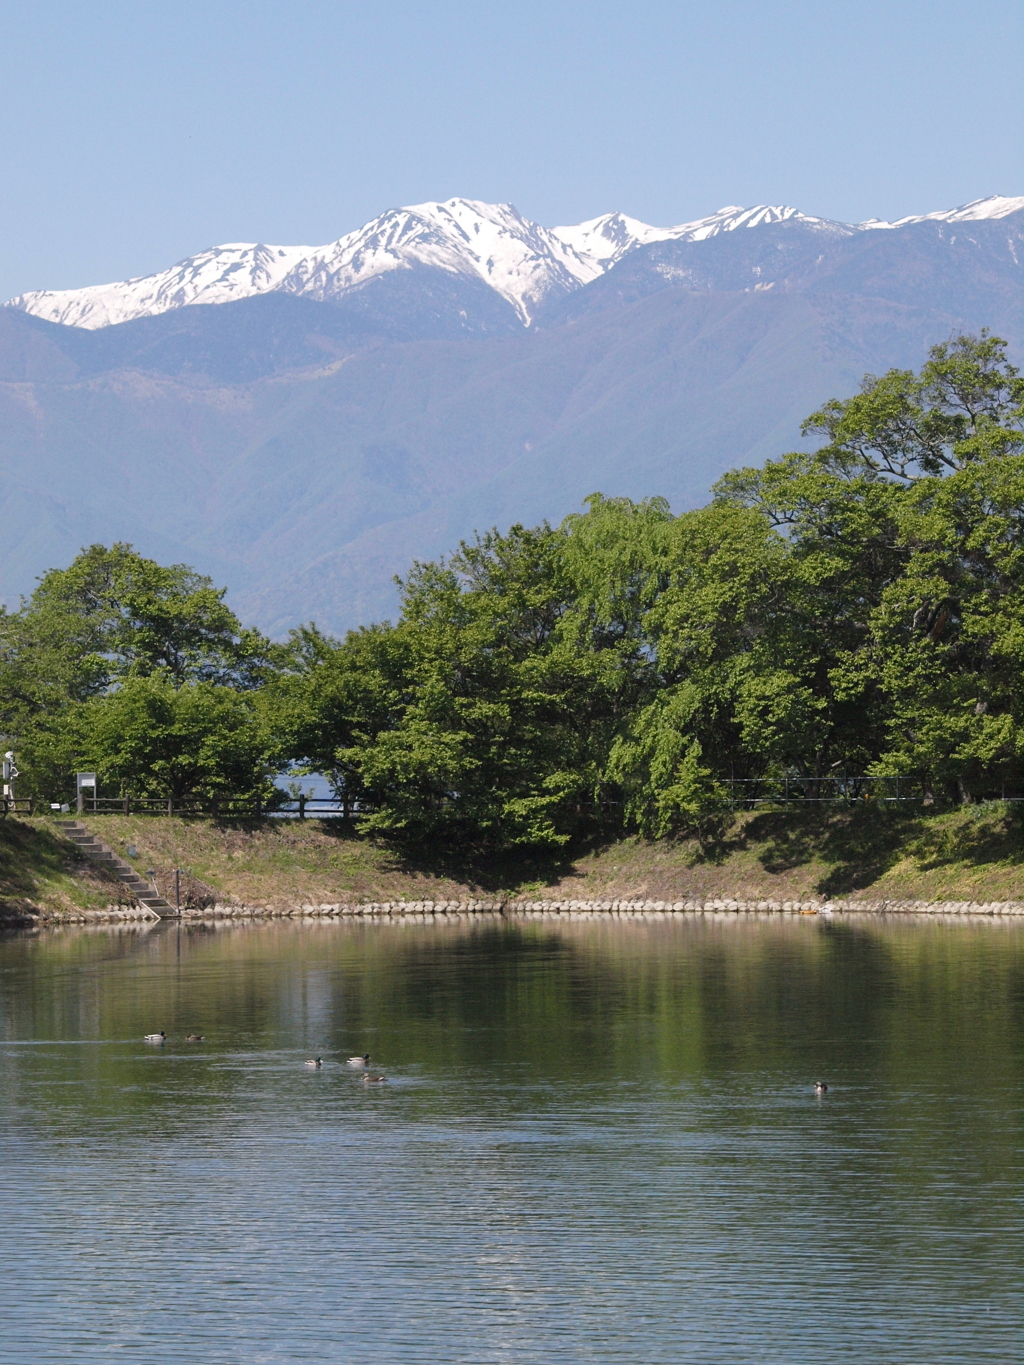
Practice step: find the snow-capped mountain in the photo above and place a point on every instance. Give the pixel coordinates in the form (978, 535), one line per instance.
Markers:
(995, 206)
(523, 262)
(236, 270)
(607, 239)
(520, 260)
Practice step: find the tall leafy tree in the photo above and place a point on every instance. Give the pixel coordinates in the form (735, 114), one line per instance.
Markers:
(479, 742)
(111, 619)
(149, 738)
(114, 614)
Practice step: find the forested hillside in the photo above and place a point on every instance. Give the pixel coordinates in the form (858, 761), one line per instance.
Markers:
(856, 610)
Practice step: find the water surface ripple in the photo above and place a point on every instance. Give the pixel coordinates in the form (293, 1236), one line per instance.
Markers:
(597, 1142)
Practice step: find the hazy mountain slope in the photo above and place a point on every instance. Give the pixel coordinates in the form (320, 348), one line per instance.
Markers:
(32, 349)
(965, 269)
(123, 456)
(266, 334)
(305, 492)
(674, 390)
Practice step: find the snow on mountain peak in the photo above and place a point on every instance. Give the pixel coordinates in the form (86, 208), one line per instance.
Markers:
(733, 217)
(235, 270)
(995, 206)
(522, 261)
(605, 240)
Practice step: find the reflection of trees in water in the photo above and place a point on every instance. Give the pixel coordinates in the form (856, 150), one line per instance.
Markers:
(685, 1001)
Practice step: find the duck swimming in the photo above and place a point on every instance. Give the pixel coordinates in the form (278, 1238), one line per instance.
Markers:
(156, 1037)
(194, 1038)
(370, 1079)
(820, 1087)
(364, 1060)
(315, 1062)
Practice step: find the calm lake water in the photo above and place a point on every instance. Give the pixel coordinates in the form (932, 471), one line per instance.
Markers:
(597, 1142)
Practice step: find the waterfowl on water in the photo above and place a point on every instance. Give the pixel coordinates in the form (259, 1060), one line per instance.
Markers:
(156, 1037)
(820, 1087)
(194, 1038)
(373, 1080)
(364, 1060)
(315, 1061)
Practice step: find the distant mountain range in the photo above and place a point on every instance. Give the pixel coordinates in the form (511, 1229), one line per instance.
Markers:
(526, 265)
(302, 421)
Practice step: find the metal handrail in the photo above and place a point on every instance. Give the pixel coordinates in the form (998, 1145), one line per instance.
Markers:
(743, 792)
(146, 805)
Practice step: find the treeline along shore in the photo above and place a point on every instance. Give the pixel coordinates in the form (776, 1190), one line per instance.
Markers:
(856, 611)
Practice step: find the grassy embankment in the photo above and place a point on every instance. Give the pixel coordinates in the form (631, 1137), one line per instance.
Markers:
(976, 853)
(40, 870)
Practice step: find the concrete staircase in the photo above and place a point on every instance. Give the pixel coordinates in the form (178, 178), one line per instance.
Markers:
(98, 852)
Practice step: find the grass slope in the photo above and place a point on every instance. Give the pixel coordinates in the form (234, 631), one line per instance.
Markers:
(975, 853)
(40, 870)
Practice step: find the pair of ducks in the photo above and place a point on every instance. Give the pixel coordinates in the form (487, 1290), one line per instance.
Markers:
(359, 1063)
(161, 1037)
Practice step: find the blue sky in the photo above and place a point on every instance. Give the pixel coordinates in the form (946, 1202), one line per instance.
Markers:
(135, 133)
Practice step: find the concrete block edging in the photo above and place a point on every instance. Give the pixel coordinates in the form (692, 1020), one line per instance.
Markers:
(424, 911)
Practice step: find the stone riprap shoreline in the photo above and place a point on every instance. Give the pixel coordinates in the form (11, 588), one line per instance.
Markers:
(442, 911)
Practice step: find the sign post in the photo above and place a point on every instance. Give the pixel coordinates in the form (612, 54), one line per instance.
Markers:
(84, 781)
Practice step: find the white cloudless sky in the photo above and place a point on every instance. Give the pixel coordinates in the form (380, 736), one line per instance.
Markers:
(136, 132)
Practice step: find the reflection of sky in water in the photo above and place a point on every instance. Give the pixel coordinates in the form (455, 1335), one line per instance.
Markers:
(598, 1142)
(309, 1001)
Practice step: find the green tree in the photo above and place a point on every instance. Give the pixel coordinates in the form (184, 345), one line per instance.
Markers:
(967, 404)
(149, 738)
(330, 696)
(947, 639)
(480, 739)
(114, 614)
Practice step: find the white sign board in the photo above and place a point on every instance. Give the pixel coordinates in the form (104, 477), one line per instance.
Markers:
(85, 780)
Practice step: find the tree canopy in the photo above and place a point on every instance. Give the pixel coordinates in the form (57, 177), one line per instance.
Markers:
(112, 635)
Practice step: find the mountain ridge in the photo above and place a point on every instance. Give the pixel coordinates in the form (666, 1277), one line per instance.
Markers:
(526, 264)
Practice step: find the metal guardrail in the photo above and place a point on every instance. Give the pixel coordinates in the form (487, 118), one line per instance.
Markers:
(299, 807)
(745, 793)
